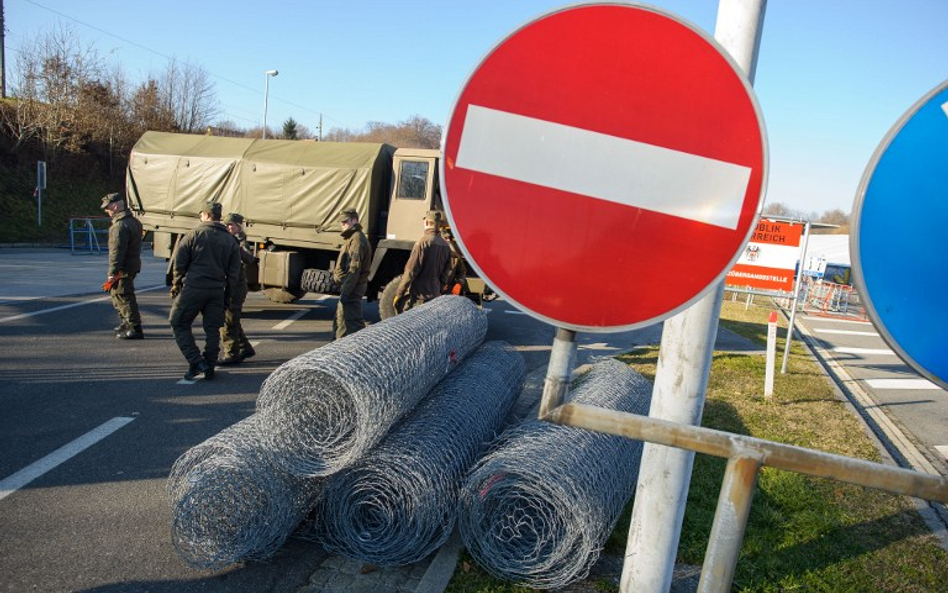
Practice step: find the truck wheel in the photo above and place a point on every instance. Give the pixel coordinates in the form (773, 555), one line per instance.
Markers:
(283, 295)
(320, 281)
(386, 307)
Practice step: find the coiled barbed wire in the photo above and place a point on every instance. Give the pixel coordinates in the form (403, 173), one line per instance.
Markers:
(398, 504)
(230, 501)
(538, 508)
(326, 408)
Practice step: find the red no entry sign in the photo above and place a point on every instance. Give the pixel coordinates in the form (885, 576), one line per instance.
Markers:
(604, 165)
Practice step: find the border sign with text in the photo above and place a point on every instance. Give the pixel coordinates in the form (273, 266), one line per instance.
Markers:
(770, 259)
(898, 236)
(604, 166)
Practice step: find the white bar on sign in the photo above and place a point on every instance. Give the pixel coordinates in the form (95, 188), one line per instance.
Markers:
(603, 166)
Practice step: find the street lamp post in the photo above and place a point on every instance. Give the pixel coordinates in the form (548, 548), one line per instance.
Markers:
(266, 92)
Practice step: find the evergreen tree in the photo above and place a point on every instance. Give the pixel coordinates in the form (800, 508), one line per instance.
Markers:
(290, 131)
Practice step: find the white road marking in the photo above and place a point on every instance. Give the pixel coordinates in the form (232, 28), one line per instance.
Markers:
(601, 166)
(844, 332)
(295, 316)
(29, 473)
(943, 449)
(71, 305)
(514, 312)
(908, 384)
(867, 351)
(835, 320)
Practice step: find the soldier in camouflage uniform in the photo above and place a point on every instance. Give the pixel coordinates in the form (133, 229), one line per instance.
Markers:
(234, 343)
(429, 267)
(125, 261)
(206, 271)
(352, 274)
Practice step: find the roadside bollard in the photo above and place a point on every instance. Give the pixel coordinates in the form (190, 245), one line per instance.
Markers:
(771, 355)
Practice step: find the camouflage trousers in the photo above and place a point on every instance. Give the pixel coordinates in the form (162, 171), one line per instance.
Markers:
(124, 301)
(233, 339)
(348, 317)
(209, 303)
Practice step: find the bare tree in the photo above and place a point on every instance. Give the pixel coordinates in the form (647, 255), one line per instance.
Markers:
(779, 209)
(56, 77)
(149, 110)
(188, 94)
(415, 132)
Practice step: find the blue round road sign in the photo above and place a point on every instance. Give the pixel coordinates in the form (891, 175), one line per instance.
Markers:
(900, 233)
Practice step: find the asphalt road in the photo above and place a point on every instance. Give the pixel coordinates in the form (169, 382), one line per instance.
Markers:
(91, 425)
(911, 404)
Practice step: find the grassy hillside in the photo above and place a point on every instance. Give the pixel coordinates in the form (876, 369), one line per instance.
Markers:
(74, 189)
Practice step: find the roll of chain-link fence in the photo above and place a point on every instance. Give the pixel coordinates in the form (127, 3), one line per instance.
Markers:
(231, 502)
(538, 508)
(326, 408)
(398, 504)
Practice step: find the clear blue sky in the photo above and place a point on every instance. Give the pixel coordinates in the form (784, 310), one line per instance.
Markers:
(832, 77)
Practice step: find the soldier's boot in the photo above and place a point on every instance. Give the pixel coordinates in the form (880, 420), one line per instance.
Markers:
(120, 327)
(231, 359)
(247, 352)
(132, 333)
(199, 368)
(209, 371)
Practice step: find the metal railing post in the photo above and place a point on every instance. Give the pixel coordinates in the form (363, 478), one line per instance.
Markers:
(730, 523)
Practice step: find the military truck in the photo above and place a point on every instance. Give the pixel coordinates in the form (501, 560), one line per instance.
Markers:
(291, 193)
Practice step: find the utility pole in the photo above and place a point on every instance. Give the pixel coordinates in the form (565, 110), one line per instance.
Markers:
(3, 55)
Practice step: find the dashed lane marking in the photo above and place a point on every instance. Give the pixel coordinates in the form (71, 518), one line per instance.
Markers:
(844, 332)
(294, 317)
(908, 384)
(29, 473)
(71, 305)
(864, 351)
(943, 451)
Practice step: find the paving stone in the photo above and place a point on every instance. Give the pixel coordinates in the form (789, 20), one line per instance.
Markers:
(408, 586)
(321, 576)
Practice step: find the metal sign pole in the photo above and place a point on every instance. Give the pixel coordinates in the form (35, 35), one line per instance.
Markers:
(681, 377)
(40, 186)
(796, 297)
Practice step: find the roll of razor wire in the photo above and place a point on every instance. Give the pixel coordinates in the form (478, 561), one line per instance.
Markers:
(328, 407)
(398, 504)
(538, 508)
(231, 502)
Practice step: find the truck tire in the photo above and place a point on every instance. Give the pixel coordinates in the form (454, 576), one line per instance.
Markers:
(283, 295)
(386, 307)
(320, 281)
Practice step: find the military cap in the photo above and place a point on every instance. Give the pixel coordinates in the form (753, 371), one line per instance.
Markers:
(347, 214)
(110, 198)
(434, 216)
(213, 208)
(234, 218)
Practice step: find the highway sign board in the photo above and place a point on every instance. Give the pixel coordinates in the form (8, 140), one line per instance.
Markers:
(770, 258)
(898, 236)
(604, 166)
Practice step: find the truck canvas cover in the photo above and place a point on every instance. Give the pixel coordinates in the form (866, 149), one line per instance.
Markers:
(291, 189)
